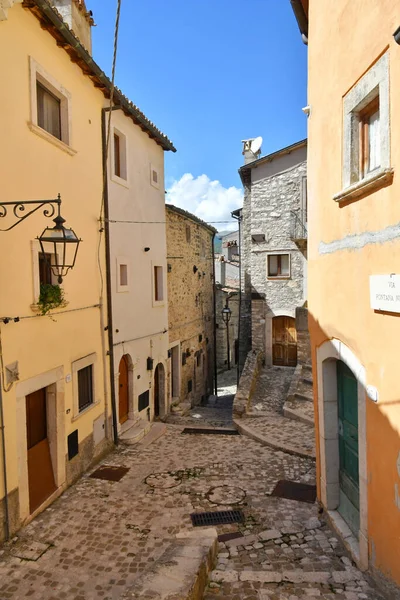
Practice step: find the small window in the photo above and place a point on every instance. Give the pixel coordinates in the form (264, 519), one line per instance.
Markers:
(369, 138)
(123, 275)
(48, 111)
(188, 234)
(85, 387)
(154, 176)
(144, 400)
(45, 274)
(198, 359)
(158, 284)
(279, 265)
(190, 386)
(117, 155)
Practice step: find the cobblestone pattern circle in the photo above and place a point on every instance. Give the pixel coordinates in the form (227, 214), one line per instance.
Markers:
(163, 481)
(226, 495)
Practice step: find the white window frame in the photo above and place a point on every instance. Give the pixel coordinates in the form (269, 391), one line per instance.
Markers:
(279, 253)
(123, 157)
(153, 291)
(155, 184)
(374, 83)
(123, 260)
(38, 74)
(35, 251)
(77, 365)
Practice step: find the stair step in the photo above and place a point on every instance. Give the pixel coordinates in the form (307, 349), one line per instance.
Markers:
(156, 431)
(303, 397)
(307, 380)
(135, 433)
(298, 415)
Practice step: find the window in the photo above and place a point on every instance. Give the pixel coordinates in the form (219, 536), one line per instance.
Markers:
(48, 111)
(144, 400)
(158, 284)
(154, 176)
(188, 234)
(369, 138)
(279, 265)
(366, 134)
(123, 275)
(45, 274)
(50, 108)
(119, 157)
(190, 386)
(85, 387)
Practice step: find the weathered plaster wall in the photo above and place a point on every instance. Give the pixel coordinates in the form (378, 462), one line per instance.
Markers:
(190, 302)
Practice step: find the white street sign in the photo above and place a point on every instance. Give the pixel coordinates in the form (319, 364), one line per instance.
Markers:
(385, 292)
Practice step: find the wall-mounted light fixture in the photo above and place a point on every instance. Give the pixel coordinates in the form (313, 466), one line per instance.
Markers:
(396, 35)
(146, 249)
(58, 244)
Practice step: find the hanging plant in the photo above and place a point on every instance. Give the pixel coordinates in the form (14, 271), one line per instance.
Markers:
(51, 296)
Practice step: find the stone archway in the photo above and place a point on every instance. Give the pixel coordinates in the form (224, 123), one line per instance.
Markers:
(159, 391)
(329, 355)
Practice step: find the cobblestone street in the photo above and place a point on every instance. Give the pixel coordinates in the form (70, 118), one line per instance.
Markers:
(101, 535)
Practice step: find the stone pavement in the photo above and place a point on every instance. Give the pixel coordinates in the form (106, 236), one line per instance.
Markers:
(100, 537)
(265, 421)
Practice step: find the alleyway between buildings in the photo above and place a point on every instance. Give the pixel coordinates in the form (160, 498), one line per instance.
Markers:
(95, 541)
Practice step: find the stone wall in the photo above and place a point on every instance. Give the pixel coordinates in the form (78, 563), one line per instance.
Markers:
(247, 384)
(191, 302)
(303, 337)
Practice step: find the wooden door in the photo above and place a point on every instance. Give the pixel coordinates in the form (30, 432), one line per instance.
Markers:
(284, 342)
(349, 495)
(123, 390)
(40, 469)
(157, 392)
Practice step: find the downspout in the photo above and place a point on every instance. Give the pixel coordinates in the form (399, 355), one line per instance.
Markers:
(215, 319)
(3, 449)
(239, 220)
(110, 329)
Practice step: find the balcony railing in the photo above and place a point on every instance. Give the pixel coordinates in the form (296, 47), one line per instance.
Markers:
(298, 225)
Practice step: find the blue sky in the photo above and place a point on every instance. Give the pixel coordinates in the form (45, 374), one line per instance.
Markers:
(208, 74)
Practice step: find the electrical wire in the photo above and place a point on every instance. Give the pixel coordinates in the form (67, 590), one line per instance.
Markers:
(6, 320)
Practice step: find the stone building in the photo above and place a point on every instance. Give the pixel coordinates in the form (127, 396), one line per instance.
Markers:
(273, 252)
(190, 282)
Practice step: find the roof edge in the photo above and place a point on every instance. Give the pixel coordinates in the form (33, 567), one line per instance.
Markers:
(301, 16)
(191, 216)
(273, 155)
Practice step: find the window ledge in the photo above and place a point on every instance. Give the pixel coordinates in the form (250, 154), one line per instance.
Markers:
(378, 179)
(50, 138)
(120, 181)
(36, 308)
(85, 410)
(272, 278)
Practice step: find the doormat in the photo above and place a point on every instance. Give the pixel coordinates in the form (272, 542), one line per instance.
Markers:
(29, 550)
(109, 473)
(221, 517)
(198, 431)
(291, 490)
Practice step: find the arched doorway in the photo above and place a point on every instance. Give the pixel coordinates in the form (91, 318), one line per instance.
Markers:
(123, 389)
(159, 390)
(284, 341)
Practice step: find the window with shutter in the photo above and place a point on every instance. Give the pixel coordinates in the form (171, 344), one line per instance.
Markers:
(48, 111)
(85, 387)
(278, 266)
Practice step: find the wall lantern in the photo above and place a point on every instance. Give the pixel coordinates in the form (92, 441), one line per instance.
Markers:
(58, 244)
(226, 314)
(226, 317)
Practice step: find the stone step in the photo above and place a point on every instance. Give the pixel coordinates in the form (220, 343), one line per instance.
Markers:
(298, 414)
(157, 430)
(308, 380)
(181, 572)
(303, 397)
(295, 576)
(135, 433)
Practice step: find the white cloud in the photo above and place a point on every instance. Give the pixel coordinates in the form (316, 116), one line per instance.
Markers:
(208, 200)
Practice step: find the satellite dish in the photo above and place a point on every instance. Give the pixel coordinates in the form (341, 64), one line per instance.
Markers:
(256, 145)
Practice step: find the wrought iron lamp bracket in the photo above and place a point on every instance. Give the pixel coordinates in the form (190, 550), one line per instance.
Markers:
(19, 208)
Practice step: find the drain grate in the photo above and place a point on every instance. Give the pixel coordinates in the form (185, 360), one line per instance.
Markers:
(109, 473)
(197, 430)
(291, 490)
(221, 517)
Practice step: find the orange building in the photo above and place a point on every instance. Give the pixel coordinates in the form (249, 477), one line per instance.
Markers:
(353, 266)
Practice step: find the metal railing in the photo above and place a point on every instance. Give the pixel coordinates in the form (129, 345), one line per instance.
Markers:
(298, 225)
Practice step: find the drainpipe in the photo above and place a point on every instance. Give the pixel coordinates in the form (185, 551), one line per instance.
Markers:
(239, 220)
(110, 329)
(3, 448)
(215, 319)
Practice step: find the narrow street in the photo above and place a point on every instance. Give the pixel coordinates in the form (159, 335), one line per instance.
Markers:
(100, 535)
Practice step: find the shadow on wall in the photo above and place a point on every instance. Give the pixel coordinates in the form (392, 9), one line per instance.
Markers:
(358, 455)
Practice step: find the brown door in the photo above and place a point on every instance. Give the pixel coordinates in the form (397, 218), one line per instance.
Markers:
(157, 392)
(284, 342)
(40, 469)
(123, 390)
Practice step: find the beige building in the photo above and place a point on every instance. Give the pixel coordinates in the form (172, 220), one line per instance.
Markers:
(190, 307)
(55, 397)
(138, 270)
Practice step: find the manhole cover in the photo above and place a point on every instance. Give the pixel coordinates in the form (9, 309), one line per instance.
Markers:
(222, 517)
(163, 481)
(199, 431)
(291, 490)
(109, 473)
(29, 550)
(226, 494)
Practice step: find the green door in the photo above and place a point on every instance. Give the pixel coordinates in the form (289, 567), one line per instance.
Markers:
(349, 504)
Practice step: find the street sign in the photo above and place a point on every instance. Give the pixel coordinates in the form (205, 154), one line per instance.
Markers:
(385, 292)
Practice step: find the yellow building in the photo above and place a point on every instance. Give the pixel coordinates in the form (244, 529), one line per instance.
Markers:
(354, 264)
(190, 261)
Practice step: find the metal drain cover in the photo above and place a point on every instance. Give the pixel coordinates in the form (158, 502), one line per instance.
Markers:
(199, 431)
(291, 490)
(109, 473)
(29, 550)
(221, 517)
(226, 494)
